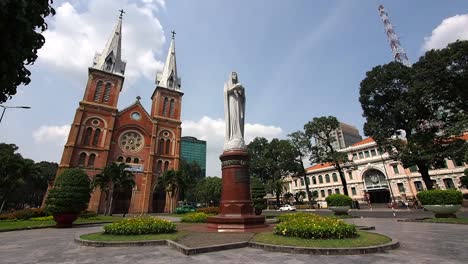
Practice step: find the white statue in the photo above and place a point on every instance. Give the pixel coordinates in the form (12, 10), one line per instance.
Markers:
(234, 113)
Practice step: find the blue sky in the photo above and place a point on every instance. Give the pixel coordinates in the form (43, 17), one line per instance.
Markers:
(297, 60)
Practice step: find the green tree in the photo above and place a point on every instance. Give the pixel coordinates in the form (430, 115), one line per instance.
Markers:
(287, 196)
(302, 150)
(257, 189)
(299, 196)
(209, 189)
(174, 182)
(114, 179)
(21, 25)
(191, 173)
(11, 178)
(271, 162)
(425, 103)
(322, 129)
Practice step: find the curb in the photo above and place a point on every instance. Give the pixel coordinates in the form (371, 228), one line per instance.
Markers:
(421, 220)
(267, 247)
(44, 227)
(327, 251)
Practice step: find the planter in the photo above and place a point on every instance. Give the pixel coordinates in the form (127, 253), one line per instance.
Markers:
(65, 219)
(339, 210)
(443, 211)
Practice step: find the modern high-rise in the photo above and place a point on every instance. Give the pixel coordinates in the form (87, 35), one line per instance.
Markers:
(345, 136)
(193, 149)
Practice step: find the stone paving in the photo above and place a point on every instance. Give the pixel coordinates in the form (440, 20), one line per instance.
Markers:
(420, 243)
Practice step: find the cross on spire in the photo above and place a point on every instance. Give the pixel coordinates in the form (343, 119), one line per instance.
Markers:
(173, 34)
(121, 13)
(138, 98)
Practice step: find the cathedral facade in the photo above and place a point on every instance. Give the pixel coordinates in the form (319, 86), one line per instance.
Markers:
(147, 141)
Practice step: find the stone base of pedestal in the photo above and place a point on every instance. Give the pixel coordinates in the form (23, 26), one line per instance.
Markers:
(235, 223)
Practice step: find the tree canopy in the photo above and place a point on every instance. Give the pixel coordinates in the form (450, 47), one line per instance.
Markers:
(21, 25)
(419, 114)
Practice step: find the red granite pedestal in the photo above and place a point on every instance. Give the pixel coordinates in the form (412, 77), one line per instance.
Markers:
(236, 212)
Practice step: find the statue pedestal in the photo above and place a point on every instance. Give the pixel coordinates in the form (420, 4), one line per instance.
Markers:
(236, 212)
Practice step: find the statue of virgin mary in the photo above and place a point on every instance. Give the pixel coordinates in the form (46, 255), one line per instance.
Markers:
(234, 113)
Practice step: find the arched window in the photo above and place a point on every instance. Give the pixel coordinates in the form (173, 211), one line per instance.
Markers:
(171, 111)
(322, 193)
(161, 146)
(96, 137)
(327, 178)
(168, 147)
(128, 160)
(82, 158)
(166, 165)
(107, 91)
(98, 92)
(120, 159)
(159, 167)
(329, 191)
(314, 181)
(335, 178)
(165, 105)
(320, 179)
(91, 159)
(87, 136)
(109, 64)
(136, 160)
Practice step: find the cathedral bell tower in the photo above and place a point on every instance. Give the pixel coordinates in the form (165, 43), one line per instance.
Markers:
(166, 111)
(89, 140)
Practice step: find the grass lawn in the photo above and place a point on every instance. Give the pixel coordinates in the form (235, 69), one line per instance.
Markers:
(119, 238)
(463, 221)
(21, 224)
(365, 239)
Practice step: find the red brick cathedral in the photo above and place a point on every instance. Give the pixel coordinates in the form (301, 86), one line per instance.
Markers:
(148, 142)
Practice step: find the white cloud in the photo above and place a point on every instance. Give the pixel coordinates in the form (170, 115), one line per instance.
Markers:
(212, 130)
(450, 30)
(74, 36)
(54, 134)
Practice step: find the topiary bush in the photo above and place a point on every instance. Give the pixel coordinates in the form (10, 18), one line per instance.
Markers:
(195, 217)
(23, 214)
(70, 194)
(208, 210)
(140, 225)
(312, 226)
(338, 200)
(440, 197)
(257, 189)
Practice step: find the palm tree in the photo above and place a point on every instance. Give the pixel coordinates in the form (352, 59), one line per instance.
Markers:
(174, 182)
(114, 180)
(299, 196)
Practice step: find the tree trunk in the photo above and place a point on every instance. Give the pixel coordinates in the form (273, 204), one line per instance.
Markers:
(111, 195)
(309, 194)
(277, 199)
(106, 202)
(343, 179)
(424, 171)
(3, 204)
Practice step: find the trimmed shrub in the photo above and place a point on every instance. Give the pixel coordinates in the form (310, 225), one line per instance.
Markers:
(208, 210)
(440, 197)
(195, 217)
(23, 214)
(88, 214)
(257, 189)
(70, 194)
(140, 225)
(338, 200)
(312, 226)
(43, 218)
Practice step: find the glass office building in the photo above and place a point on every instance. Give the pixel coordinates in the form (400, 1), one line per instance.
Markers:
(192, 149)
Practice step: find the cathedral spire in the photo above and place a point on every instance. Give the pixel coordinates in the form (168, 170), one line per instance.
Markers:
(169, 78)
(110, 59)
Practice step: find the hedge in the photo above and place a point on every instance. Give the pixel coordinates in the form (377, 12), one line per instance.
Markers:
(23, 214)
(312, 226)
(208, 210)
(338, 200)
(440, 197)
(140, 225)
(194, 217)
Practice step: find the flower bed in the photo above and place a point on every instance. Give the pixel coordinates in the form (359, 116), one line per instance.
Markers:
(195, 217)
(208, 210)
(140, 225)
(312, 226)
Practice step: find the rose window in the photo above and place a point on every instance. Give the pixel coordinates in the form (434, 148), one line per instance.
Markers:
(131, 141)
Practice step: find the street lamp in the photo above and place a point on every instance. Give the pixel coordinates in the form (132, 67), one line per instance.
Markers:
(5, 108)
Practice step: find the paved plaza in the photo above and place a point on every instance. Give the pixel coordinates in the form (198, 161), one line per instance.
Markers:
(420, 243)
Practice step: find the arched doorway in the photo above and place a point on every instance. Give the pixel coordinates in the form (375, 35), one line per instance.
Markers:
(376, 186)
(159, 200)
(122, 201)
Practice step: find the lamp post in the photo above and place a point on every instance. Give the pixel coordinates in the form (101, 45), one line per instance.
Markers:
(6, 107)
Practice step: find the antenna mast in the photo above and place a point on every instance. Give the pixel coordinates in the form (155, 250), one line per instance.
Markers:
(399, 53)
